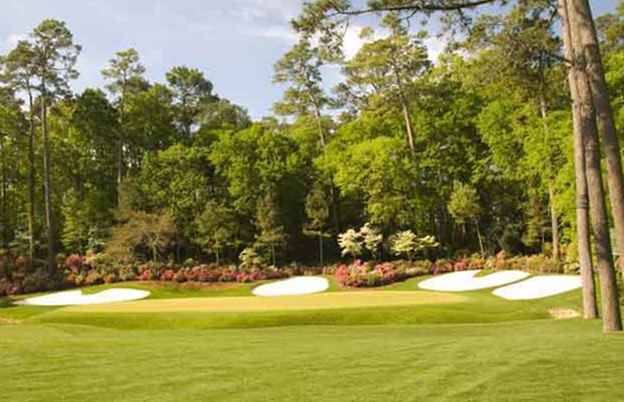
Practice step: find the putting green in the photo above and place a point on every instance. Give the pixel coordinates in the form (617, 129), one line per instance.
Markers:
(334, 300)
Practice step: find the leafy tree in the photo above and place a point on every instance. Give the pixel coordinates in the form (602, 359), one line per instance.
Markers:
(191, 93)
(351, 243)
(300, 68)
(317, 212)
(408, 244)
(125, 73)
(464, 207)
(54, 57)
(371, 238)
(271, 232)
(153, 232)
(18, 73)
(216, 228)
(384, 71)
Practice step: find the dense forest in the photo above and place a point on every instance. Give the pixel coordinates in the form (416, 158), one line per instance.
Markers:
(475, 149)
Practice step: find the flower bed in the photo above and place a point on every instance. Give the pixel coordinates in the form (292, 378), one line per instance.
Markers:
(16, 277)
(369, 274)
(361, 274)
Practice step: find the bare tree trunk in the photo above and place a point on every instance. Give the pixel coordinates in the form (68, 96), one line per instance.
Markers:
(590, 310)
(408, 127)
(3, 197)
(319, 123)
(588, 44)
(554, 220)
(119, 146)
(611, 317)
(31, 181)
(481, 247)
(47, 185)
(554, 223)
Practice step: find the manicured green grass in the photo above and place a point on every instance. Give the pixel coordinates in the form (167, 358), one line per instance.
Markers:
(520, 361)
(477, 348)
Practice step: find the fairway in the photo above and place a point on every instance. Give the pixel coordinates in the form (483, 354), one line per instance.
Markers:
(334, 300)
(523, 361)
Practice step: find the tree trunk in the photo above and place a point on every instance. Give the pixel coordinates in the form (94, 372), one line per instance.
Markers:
(119, 146)
(481, 247)
(554, 223)
(598, 212)
(47, 186)
(554, 220)
(3, 197)
(588, 44)
(31, 181)
(406, 115)
(408, 126)
(319, 123)
(590, 310)
(321, 249)
(273, 254)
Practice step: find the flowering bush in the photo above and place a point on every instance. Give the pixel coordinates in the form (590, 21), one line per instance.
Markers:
(361, 274)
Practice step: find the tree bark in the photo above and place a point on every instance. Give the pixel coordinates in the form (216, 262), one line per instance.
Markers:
(554, 223)
(3, 196)
(408, 127)
(611, 316)
(31, 181)
(480, 238)
(588, 44)
(554, 220)
(47, 186)
(590, 309)
(119, 146)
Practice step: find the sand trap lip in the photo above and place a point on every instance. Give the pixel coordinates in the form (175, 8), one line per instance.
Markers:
(250, 304)
(465, 280)
(301, 285)
(76, 298)
(539, 287)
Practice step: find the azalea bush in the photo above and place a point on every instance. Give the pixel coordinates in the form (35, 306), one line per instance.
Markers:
(363, 274)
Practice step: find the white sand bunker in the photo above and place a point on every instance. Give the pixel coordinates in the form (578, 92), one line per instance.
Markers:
(466, 280)
(539, 287)
(76, 298)
(302, 285)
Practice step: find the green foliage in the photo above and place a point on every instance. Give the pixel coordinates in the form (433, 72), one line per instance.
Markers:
(143, 232)
(216, 228)
(408, 244)
(250, 259)
(464, 203)
(270, 231)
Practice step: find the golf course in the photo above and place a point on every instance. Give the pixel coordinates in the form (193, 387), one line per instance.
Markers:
(396, 343)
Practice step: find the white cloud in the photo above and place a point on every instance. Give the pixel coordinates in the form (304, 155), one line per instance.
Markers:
(12, 39)
(435, 47)
(277, 32)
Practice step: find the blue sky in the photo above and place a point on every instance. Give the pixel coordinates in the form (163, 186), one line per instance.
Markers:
(235, 42)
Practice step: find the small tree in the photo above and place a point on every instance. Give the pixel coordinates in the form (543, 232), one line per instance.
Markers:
(271, 232)
(464, 207)
(408, 244)
(153, 231)
(317, 211)
(249, 258)
(351, 243)
(372, 239)
(216, 228)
